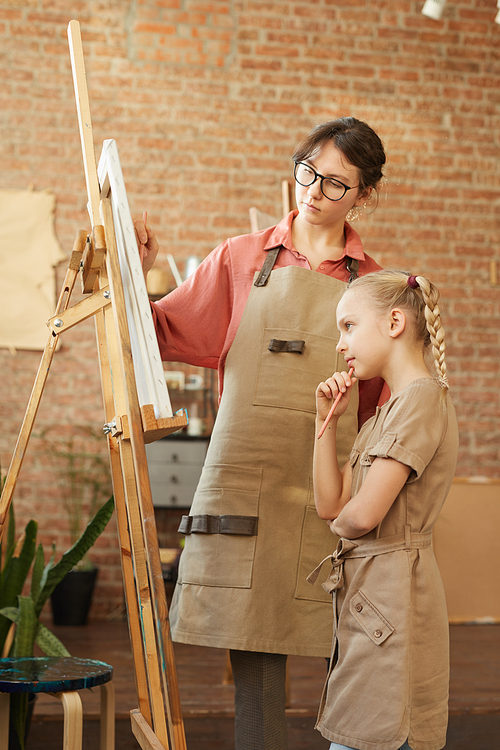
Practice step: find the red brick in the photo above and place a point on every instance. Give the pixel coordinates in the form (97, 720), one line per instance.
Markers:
(261, 64)
(155, 28)
(275, 50)
(260, 22)
(394, 74)
(208, 7)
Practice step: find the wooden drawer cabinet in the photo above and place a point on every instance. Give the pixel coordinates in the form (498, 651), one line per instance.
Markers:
(174, 470)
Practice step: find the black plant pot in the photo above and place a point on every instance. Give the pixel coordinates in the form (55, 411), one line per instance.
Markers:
(72, 597)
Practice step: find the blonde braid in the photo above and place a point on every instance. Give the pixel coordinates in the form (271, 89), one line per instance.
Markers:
(436, 331)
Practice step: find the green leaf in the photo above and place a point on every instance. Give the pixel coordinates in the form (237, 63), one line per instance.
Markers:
(10, 581)
(12, 613)
(48, 567)
(49, 643)
(76, 552)
(11, 529)
(27, 624)
(11, 542)
(19, 714)
(15, 575)
(37, 574)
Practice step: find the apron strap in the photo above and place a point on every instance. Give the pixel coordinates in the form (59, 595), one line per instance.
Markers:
(295, 346)
(241, 525)
(352, 265)
(267, 266)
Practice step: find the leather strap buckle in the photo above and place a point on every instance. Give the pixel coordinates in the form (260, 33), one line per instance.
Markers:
(239, 525)
(276, 345)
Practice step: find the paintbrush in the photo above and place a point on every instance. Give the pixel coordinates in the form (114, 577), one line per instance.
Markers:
(141, 246)
(334, 406)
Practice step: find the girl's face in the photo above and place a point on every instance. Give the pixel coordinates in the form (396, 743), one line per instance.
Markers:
(364, 335)
(313, 206)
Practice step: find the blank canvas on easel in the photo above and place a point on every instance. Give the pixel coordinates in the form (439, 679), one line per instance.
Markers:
(148, 367)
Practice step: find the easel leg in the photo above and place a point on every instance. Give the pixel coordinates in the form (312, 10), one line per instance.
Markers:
(39, 385)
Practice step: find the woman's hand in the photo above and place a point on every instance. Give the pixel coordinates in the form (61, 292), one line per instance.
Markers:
(327, 392)
(147, 243)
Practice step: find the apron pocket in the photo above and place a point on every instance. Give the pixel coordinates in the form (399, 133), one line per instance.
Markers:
(287, 378)
(220, 547)
(376, 627)
(317, 541)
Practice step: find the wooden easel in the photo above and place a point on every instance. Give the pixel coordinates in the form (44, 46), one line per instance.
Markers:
(157, 723)
(260, 220)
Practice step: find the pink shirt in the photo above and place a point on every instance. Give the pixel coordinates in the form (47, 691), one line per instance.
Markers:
(197, 322)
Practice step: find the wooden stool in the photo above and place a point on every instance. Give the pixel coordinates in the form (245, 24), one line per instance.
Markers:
(61, 677)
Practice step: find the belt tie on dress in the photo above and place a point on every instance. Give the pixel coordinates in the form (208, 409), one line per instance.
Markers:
(336, 578)
(348, 548)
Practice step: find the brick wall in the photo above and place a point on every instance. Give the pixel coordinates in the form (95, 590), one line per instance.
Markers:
(206, 100)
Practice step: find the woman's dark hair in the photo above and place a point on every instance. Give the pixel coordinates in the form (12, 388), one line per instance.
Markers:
(356, 140)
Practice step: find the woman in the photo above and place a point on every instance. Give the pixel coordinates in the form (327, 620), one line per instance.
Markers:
(260, 309)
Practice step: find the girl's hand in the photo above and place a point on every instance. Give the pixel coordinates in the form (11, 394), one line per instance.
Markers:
(326, 393)
(147, 243)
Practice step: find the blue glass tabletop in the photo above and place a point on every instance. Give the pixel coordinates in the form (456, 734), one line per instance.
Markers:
(52, 674)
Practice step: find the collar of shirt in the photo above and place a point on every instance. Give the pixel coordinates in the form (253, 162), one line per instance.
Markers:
(282, 235)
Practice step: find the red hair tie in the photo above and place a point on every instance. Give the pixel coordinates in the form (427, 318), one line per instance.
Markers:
(412, 281)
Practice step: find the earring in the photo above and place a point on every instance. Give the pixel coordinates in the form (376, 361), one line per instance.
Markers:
(355, 213)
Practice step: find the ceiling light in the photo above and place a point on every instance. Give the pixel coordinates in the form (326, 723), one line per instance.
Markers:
(434, 9)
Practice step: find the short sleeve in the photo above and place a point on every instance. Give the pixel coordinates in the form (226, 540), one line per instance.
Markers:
(413, 427)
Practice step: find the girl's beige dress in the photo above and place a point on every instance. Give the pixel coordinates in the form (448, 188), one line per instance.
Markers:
(389, 674)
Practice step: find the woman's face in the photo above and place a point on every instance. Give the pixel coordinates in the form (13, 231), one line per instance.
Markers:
(313, 206)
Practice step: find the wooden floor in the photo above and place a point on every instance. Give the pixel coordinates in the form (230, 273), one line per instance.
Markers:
(208, 704)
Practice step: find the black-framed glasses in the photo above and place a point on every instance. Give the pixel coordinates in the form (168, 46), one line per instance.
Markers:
(332, 189)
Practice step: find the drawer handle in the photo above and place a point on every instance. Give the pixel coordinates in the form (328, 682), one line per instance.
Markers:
(173, 499)
(174, 479)
(175, 456)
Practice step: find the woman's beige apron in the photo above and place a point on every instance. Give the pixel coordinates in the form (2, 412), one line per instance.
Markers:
(253, 534)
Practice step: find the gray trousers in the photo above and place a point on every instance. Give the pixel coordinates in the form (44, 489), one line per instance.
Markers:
(259, 700)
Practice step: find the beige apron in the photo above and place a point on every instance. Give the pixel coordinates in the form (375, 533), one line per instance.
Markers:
(253, 534)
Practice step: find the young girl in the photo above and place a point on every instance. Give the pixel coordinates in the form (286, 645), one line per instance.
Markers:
(387, 686)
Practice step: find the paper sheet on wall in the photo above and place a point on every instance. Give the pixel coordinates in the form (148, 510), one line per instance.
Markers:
(29, 251)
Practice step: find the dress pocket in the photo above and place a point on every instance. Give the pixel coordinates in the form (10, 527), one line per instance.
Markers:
(222, 552)
(375, 625)
(288, 378)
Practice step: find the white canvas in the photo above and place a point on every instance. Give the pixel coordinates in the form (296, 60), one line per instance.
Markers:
(149, 374)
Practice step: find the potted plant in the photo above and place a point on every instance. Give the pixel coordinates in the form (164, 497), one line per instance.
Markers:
(17, 560)
(83, 476)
